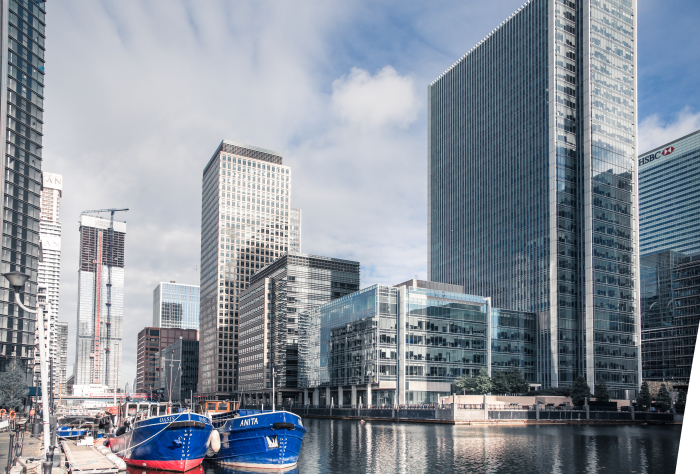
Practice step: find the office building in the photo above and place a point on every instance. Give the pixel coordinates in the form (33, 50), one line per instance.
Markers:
(269, 325)
(62, 357)
(179, 365)
(176, 306)
(21, 120)
(295, 230)
(50, 261)
(421, 334)
(245, 226)
(532, 183)
(44, 310)
(151, 341)
(670, 302)
(98, 352)
(669, 197)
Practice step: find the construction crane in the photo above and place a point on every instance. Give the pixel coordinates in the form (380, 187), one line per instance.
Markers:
(98, 295)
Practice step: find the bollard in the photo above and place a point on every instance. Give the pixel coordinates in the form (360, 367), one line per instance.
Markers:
(12, 451)
(36, 429)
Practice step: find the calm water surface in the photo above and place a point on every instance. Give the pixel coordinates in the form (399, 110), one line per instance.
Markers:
(348, 447)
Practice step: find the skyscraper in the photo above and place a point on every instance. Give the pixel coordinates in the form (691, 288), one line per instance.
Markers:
(295, 230)
(60, 376)
(150, 342)
(669, 197)
(50, 264)
(245, 225)
(176, 306)
(532, 186)
(98, 353)
(21, 119)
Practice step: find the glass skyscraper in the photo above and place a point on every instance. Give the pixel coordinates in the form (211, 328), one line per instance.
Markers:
(532, 185)
(176, 306)
(245, 225)
(21, 120)
(669, 197)
(295, 230)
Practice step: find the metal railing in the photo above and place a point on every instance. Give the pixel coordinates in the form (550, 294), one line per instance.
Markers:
(16, 443)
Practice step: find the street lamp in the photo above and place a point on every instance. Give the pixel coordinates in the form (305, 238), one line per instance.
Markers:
(17, 281)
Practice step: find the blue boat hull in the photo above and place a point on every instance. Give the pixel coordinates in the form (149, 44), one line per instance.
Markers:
(175, 442)
(269, 440)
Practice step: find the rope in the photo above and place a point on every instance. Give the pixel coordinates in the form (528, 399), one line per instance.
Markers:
(134, 447)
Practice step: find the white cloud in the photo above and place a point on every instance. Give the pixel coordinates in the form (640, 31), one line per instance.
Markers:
(654, 132)
(375, 101)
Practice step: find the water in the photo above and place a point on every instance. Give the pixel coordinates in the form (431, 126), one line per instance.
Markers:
(348, 447)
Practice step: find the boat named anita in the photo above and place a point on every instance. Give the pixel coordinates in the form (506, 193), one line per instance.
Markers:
(154, 437)
(260, 439)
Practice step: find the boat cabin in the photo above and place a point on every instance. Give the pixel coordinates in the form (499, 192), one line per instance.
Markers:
(216, 407)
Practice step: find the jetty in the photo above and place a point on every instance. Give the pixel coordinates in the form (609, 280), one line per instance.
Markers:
(88, 459)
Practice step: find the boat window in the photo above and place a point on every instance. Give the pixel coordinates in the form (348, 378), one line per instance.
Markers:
(154, 410)
(132, 408)
(211, 406)
(223, 406)
(162, 410)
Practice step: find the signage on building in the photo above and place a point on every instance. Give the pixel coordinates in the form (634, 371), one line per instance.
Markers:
(652, 156)
(53, 180)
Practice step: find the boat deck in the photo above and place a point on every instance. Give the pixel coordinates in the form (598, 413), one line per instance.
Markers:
(87, 460)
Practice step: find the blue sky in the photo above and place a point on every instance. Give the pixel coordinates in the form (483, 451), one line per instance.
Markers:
(140, 93)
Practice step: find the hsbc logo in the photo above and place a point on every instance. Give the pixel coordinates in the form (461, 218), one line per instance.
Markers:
(651, 157)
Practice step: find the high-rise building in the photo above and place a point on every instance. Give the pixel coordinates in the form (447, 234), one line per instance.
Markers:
(179, 364)
(21, 120)
(50, 262)
(670, 292)
(49, 335)
(61, 373)
(669, 197)
(176, 306)
(245, 226)
(98, 352)
(295, 230)
(532, 183)
(269, 324)
(151, 340)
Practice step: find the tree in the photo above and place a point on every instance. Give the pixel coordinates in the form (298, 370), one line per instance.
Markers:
(680, 401)
(601, 391)
(517, 382)
(580, 391)
(644, 397)
(499, 383)
(483, 382)
(465, 385)
(663, 399)
(13, 387)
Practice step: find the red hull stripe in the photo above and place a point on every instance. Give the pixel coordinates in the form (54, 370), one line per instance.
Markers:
(180, 465)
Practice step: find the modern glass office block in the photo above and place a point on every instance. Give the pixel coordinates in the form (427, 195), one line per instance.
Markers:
(406, 344)
(532, 184)
(245, 225)
(295, 230)
(176, 306)
(21, 119)
(669, 197)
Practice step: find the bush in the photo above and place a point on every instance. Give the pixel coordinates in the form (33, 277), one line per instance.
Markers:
(601, 391)
(580, 391)
(680, 401)
(663, 399)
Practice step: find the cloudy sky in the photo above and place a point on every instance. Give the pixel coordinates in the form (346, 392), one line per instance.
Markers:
(140, 93)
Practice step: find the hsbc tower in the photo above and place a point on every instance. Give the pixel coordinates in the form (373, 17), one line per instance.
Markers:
(669, 197)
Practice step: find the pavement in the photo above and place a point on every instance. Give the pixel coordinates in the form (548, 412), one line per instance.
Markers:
(32, 447)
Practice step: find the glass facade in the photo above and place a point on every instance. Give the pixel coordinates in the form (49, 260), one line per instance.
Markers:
(269, 321)
(176, 306)
(151, 342)
(179, 364)
(670, 303)
(669, 197)
(295, 230)
(21, 118)
(245, 225)
(409, 342)
(532, 183)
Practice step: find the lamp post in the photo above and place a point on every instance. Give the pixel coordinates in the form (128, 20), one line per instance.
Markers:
(17, 281)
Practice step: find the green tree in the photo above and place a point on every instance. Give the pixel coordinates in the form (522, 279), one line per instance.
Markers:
(580, 391)
(663, 399)
(465, 386)
(483, 382)
(680, 401)
(499, 383)
(13, 387)
(517, 382)
(644, 397)
(601, 391)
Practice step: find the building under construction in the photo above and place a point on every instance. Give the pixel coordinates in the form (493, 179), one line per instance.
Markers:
(98, 354)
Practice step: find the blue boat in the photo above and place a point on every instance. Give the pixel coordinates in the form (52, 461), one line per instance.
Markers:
(153, 437)
(260, 440)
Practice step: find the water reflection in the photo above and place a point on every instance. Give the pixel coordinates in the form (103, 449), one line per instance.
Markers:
(211, 468)
(345, 446)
